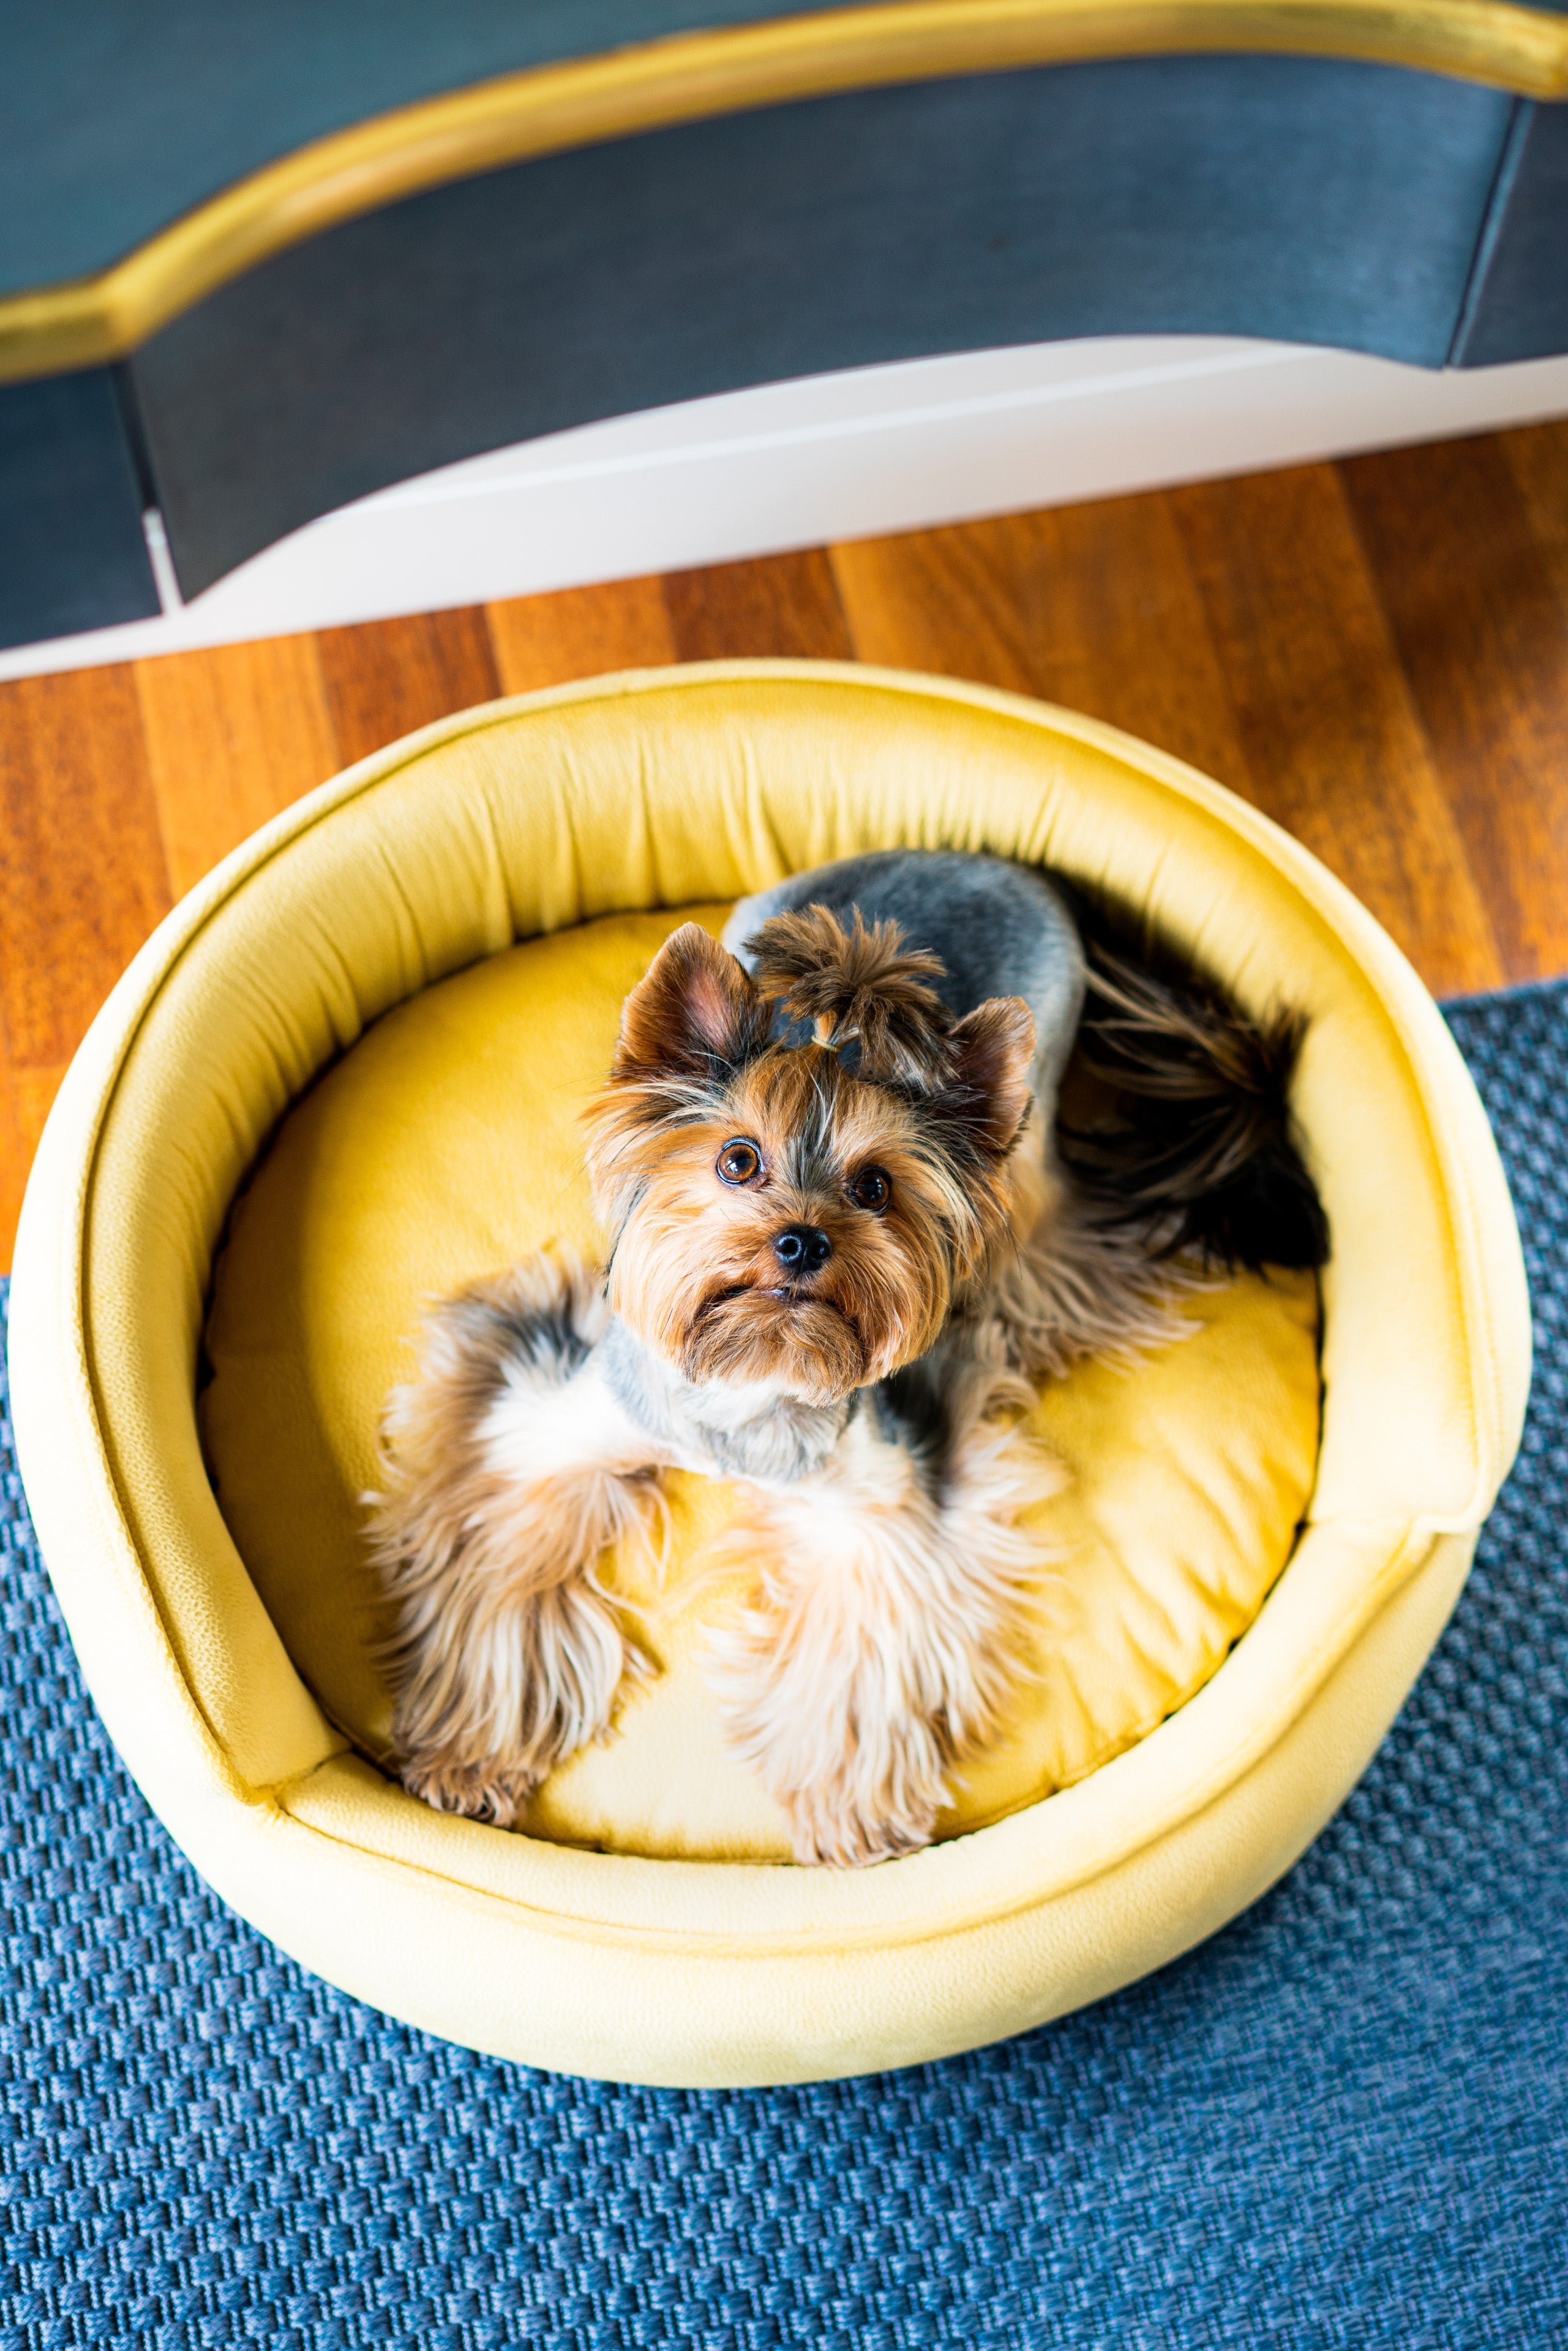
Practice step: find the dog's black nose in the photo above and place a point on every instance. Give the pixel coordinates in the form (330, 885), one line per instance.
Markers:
(801, 1248)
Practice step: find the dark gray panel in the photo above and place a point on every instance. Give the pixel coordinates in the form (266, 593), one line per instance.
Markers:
(1519, 307)
(72, 555)
(116, 116)
(1307, 200)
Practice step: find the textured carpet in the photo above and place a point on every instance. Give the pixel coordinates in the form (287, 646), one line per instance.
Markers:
(1342, 2122)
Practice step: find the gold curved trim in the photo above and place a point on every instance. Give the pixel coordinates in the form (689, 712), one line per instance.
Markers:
(690, 77)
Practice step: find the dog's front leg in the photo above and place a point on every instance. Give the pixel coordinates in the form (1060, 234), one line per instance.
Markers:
(510, 1471)
(890, 1624)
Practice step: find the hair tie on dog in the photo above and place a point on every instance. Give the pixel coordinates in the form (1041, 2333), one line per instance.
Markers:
(862, 986)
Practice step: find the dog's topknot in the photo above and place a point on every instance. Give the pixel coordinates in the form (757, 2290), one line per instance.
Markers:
(861, 986)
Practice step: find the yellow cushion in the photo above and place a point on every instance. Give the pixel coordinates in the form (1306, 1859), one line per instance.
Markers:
(664, 789)
(447, 1144)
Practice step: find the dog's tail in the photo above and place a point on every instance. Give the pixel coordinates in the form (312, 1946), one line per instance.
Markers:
(1184, 1134)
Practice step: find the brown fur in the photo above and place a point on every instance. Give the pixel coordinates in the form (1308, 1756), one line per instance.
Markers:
(1177, 1124)
(894, 1580)
(861, 986)
(692, 1265)
(884, 1641)
(507, 1654)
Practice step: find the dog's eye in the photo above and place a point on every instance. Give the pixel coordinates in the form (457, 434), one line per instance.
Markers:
(739, 1162)
(871, 1190)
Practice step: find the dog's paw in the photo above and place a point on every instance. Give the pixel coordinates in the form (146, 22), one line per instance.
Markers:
(478, 1791)
(860, 1777)
(832, 1830)
(828, 1714)
(488, 1766)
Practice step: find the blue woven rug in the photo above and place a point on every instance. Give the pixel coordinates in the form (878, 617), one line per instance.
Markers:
(1344, 2121)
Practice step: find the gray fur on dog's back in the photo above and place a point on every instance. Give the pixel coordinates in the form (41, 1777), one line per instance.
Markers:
(999, 929)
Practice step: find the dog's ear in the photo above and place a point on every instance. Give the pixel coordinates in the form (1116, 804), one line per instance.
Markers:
(695, 1014)
(989, 1091)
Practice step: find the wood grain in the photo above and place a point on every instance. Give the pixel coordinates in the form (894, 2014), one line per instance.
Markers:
(388, 677)
(784, 605)
(1377, 654)
(1333, 748)
(82, 878)
(1537, 457)
(1233, 624)
(25, 1099)
(1091, 606)
(549, 640)
(232, 737)
(1481, 636)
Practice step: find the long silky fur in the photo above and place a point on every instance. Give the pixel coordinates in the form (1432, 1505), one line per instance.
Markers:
(1193, 1148)
(860, 985)
(507, 1654)
(1078, 1286)
(885, 1637)
(898, 1585)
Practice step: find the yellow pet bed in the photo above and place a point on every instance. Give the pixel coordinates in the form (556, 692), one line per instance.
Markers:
(239, 1207)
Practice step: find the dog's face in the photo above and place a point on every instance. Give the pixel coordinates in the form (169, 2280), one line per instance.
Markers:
(777, 1218)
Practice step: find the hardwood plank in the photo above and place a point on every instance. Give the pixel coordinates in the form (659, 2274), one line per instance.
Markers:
(1091, 606)
(1482, 637)
(1176, 615)
(25, 1099)
(232, 737)
(1377, 654)
(1334, 746)
(82, 876)
(387, 677)
(786, 605)
(1537, 457)
(579, 631)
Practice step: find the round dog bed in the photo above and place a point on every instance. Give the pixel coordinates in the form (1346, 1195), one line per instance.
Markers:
(343, 1076)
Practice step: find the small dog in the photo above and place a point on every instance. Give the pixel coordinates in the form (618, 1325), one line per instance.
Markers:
(853, 1219)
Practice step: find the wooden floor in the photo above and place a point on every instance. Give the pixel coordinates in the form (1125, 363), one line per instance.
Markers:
(1375, 651)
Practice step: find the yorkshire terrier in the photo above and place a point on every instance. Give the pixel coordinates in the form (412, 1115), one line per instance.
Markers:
(917, 1135)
